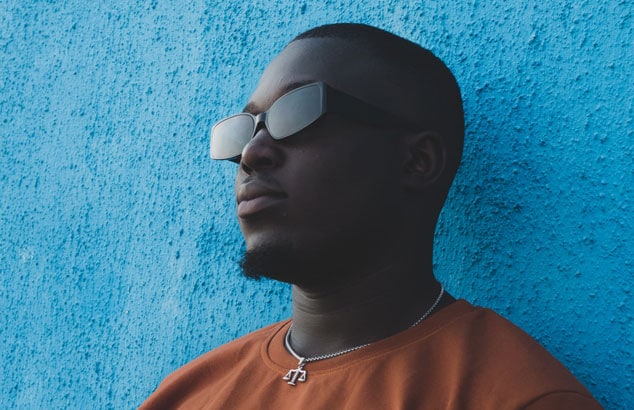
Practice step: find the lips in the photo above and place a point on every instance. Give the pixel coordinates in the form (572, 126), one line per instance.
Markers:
(256, 196)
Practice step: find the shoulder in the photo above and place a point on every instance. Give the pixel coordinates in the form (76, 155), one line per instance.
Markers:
(234, 350)
(510, 364)
(495, 337)
(210, 367)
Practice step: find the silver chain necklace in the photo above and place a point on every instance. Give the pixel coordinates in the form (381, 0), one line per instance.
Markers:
(299, 375)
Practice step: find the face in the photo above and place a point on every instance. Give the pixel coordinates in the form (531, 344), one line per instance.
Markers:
(331, 191)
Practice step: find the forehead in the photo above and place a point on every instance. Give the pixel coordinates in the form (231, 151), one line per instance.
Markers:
(336, 62)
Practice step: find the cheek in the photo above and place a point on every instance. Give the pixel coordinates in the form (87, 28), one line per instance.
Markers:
(340, 193)
(340, 175)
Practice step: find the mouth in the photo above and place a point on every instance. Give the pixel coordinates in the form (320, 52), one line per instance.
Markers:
(254, 198)
(258, 204)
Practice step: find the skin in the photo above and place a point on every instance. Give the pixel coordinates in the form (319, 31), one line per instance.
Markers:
(339, 184)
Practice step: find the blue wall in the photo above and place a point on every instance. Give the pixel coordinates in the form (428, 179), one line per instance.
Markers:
(118, 238)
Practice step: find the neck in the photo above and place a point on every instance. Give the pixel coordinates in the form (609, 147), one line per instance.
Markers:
(371, 307)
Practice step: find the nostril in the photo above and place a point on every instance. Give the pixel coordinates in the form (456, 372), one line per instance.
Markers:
(247, 170)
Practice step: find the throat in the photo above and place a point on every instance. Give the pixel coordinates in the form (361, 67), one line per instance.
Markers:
(327, 323)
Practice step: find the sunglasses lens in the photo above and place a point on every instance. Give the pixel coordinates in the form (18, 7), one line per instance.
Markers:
(229, 136)
(294, 111)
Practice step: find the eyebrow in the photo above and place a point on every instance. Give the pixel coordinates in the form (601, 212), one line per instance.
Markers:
(252, 108)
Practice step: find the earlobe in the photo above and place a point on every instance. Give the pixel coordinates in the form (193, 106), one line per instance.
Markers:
(425, 159)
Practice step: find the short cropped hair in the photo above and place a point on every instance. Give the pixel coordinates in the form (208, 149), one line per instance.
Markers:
(442, 103)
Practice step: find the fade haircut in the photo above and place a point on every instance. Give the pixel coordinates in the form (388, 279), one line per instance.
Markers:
(442, 102)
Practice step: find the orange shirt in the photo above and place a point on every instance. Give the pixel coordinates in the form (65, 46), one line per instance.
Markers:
(461, 357)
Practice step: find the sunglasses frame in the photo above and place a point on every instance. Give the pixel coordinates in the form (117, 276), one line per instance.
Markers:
(332, 101)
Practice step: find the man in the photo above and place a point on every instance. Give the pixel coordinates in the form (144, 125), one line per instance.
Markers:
(346, 152)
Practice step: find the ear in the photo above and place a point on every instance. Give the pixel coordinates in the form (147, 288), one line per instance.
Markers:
(425, 159)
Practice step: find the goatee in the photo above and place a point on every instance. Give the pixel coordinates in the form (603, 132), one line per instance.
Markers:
(275, 262)
(315, 269)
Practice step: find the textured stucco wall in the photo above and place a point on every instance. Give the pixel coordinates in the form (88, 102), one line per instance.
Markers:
(118, 239)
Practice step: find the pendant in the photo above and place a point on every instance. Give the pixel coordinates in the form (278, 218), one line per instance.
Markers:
(296, 375)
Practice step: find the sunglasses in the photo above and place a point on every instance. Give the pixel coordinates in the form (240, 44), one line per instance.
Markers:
(293, 112)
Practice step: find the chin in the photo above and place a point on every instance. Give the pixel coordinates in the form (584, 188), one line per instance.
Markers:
(277, 261)
(313, 266)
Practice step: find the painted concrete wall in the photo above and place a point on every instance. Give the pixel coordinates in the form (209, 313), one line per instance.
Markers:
(118, 240)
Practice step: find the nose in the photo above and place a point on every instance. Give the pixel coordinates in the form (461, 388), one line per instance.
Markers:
(261, 153)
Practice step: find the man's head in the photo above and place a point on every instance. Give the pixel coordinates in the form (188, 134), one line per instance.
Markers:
(343, 193)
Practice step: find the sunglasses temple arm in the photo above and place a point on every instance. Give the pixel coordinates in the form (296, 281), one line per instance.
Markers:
(348, 105)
